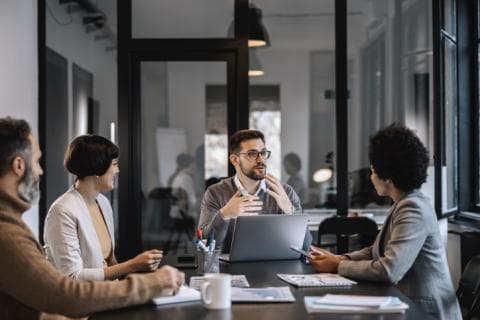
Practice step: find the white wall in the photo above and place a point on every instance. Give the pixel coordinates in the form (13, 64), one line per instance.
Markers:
(19, 70)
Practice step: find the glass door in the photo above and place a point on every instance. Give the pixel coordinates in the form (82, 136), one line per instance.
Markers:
(184, 143)
(175, 146)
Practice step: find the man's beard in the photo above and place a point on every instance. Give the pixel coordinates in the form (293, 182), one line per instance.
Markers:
(251, 172)
(29, 187)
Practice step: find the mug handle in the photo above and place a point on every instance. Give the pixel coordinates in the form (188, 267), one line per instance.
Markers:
(204, 289)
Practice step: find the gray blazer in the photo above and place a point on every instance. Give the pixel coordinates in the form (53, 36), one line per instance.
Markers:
(409, 252)
(71, 242)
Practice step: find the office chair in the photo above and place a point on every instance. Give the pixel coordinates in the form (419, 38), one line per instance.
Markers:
(158, 218)
(468, 292)
(345, 228)
(469, 246)
(182, 225)
(177, 227)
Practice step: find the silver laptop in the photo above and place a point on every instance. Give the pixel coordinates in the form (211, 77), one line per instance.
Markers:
(266, 237)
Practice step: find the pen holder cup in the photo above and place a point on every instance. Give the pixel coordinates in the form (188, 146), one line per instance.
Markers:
(208, 261)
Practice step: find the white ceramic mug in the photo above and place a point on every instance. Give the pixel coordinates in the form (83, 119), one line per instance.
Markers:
(217, 291)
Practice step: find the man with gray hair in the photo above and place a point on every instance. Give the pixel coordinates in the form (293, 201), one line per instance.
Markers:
(31, 288)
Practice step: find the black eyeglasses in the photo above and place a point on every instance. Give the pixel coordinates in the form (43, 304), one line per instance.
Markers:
(253, 154)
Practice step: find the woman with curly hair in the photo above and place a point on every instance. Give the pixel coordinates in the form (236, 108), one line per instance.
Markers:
(408, 250)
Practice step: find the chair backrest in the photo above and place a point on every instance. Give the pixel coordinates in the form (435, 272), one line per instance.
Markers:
(164, 199)
(345, 227)
(468, 292)
(469, 247)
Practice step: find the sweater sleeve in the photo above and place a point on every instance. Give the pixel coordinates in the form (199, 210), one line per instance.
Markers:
(294, 199)
(29, 278)
(210, 218)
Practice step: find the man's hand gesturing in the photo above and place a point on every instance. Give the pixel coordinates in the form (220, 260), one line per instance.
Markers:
(239, 205)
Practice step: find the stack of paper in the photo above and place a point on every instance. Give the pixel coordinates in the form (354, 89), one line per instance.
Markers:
(338, 303)
(316, 280)
(185, 294)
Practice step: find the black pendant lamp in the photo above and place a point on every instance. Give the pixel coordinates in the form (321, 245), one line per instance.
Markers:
(254, 66)
(257, 33)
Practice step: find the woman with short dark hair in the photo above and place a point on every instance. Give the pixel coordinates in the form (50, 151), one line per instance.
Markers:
(79, 228)
(408, 251)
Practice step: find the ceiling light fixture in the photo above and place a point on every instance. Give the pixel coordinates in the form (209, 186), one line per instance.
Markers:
(254, 66)
(257, 33)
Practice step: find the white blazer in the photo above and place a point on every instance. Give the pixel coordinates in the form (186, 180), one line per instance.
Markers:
(71, 242)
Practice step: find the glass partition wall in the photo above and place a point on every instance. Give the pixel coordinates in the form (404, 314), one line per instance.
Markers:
(390, 77)
(172, 116)
(183, 146)
(292, 99)
(181, 112)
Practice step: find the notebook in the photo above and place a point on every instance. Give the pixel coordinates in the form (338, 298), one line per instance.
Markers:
(185, 294)
(338, 303)
(316, 280)
(238, 280)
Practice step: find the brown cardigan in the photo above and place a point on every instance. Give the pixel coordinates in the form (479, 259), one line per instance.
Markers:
(30, 286)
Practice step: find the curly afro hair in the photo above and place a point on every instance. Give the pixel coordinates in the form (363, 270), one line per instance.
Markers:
(396, 153)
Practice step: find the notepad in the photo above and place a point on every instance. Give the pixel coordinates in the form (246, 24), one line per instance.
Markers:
(263, 295)
(238, 280)
(316, 280)
(338, 303)
(185, 294)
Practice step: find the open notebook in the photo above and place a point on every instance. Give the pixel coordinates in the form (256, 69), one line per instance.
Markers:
(185, 294)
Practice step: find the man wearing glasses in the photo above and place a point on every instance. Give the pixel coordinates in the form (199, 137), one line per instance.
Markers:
(251, 191)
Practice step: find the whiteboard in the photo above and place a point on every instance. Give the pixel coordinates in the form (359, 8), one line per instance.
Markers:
(170, 143)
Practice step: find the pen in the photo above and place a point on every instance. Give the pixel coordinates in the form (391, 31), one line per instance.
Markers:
(212, 245)
(201, 245)
(211, 238)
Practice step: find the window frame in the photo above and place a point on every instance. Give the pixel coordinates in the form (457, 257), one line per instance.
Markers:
(468, 44)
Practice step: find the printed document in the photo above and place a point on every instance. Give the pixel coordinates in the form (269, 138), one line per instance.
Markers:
(341, 303)
(316, 280)
(268, 294)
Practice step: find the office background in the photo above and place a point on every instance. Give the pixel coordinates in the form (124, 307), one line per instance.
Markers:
(334, 73)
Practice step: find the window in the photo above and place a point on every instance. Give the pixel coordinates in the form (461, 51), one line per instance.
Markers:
(457, 139)
(477, 164)
(449, 107)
